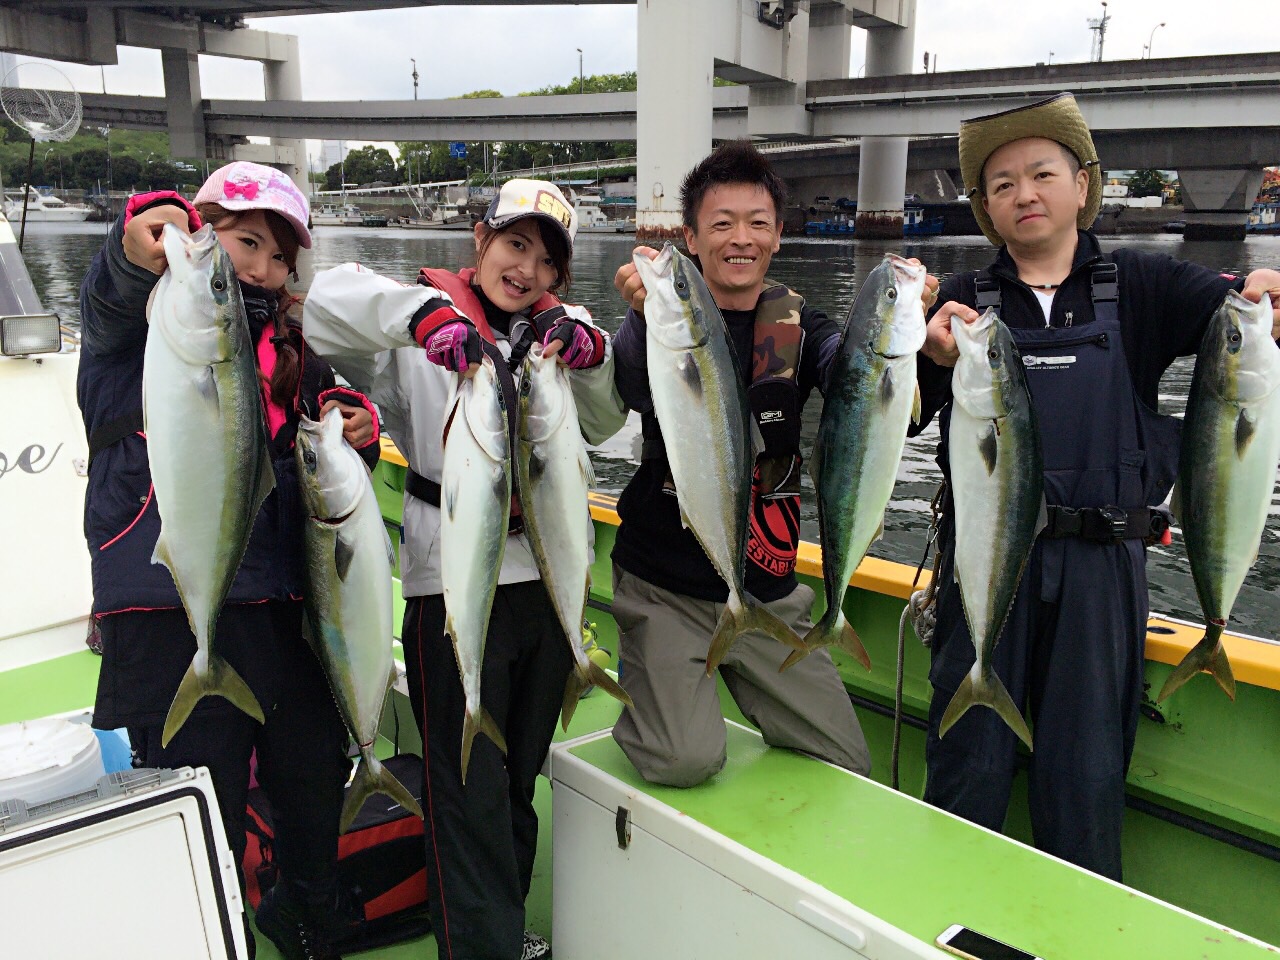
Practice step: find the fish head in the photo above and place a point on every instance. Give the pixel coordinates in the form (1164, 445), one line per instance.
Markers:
(676, 299)
(484, 411)
(330, 473)
(989, 369)
(197, 301)
(1240, 361)
(902, 312)
(545, 396)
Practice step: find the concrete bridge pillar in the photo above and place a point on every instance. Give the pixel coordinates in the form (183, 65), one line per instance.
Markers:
(1217, 202)
(182, 90)
(882, 167)
(282, 80)
(673, 109)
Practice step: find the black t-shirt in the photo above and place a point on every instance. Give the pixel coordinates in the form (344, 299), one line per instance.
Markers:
(651, 541)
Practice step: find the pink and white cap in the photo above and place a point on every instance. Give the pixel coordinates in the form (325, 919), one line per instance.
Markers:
(244, 185)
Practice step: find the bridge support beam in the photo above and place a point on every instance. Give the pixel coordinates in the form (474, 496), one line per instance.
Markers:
(283, 81)
(882, 167)
(185, 110)
(673, 109)
(1217, 202)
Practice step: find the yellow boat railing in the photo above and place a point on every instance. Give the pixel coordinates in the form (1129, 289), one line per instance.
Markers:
(1253, 661)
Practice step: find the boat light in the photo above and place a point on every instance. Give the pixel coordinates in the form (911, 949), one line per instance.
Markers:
(30, 333)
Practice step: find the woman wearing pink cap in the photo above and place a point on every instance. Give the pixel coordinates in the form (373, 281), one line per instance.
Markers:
(260, 218)
(403, 344)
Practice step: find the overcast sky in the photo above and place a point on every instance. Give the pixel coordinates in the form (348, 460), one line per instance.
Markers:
(366, 56)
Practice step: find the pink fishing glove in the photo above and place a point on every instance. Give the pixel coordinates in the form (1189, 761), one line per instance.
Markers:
(453, 346)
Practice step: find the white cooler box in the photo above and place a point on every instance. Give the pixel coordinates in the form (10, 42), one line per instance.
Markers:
(637, 878)
(136, 867)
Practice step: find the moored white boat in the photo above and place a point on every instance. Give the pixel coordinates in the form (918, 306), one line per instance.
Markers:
(43, 208)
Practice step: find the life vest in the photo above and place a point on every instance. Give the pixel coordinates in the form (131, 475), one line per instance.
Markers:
(462, 293)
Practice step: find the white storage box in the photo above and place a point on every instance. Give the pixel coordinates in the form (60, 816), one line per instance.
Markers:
(137, 867)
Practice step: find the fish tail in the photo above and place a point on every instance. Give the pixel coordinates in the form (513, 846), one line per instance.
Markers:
(600, 678)
(372, 777)
(1208, 655)
(740, 615)
(990, 692)
(472, 725)
(575, 685)
(219, 678)
(836, 633)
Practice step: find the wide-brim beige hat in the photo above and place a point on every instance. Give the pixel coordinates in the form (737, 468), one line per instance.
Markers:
(1057, 118)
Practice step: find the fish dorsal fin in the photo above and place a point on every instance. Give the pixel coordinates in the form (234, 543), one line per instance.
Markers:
(1245, 429)
(391, 550)
(916, 407)
(266, 482)
(988, 447)
(757, 438)
(344, 551)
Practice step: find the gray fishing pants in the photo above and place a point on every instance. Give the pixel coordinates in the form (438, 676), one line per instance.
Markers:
(676, 733)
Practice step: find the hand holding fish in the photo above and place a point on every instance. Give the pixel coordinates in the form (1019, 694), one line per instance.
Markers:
(142, 240)
(629, 283)
(940, 342)
(357, 422)
(1265, 281)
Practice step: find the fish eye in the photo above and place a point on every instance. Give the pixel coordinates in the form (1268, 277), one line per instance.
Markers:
(219, 284)
(1235, 336)
(993, 354)
(309, 458)
(681, 285)
(891, 293)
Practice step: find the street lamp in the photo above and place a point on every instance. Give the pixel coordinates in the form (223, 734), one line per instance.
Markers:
(1152, 37)
(579, 49)
(415, 77)
(1050, 57)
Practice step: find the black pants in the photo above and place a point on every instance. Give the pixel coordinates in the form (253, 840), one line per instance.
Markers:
(1072, 650)
(301, 749)
(482, 836)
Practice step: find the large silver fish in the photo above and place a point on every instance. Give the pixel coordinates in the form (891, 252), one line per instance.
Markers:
(1227, 470)
(348, 598)
(997, 484)
(555, 475)
(871, 394)
(207, 444)
(475, 505)
(700, 399)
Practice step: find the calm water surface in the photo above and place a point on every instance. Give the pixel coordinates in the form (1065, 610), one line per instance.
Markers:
(827, 272)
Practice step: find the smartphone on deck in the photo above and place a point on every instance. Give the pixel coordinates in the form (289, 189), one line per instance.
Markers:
(972, 945)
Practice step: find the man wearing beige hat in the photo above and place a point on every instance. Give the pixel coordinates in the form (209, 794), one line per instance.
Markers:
(1102, 328)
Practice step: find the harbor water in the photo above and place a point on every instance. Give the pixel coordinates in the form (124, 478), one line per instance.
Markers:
(827, 272)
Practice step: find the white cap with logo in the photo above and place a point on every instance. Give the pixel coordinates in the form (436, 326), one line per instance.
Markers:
(521, 198)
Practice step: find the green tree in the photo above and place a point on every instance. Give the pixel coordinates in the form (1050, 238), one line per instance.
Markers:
(370, 164)
(1146, 183)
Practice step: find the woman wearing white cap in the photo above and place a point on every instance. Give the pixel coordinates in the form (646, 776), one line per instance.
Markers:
(260, 218)
(401, 343)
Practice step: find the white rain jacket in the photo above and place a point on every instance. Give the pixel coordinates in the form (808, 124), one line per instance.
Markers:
(358, 321)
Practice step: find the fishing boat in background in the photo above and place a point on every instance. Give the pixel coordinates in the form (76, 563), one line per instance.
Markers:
(779, 854)
(593, 219)
(43, 208)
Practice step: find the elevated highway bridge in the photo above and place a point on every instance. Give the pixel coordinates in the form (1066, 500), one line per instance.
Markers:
(1214, 119)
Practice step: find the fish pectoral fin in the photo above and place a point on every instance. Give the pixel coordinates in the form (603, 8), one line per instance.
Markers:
(887, 386)
(988, 448)
(1042, 519)
(344, 552)
(879, 534)
(1245, 430)
(206, 382)
(916, 407)
(449, 496)
(1175, 503)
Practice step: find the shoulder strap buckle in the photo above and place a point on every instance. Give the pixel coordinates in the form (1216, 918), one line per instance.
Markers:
(987, 291)
(1104, 283)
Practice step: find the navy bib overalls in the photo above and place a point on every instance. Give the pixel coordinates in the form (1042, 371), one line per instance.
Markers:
(1071, 654)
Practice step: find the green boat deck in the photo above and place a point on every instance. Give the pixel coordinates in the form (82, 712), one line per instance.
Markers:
(919, 869)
